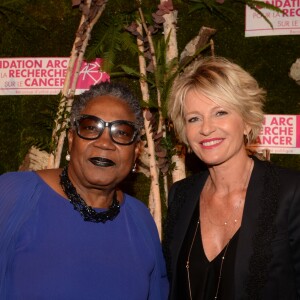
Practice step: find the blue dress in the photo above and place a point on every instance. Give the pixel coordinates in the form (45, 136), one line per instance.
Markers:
(49, 252)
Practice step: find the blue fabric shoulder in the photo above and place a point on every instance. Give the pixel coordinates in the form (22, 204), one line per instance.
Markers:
(159, 285)
(18, 198)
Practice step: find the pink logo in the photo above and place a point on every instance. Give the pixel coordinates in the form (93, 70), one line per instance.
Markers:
(90, 74)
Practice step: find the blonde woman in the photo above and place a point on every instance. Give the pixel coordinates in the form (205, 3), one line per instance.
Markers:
(233, 230)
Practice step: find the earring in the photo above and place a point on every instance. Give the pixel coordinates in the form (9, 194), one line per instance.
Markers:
(133, 170)
(68, 156)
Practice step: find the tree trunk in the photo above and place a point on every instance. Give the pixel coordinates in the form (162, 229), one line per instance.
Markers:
(154, 193)
(90, 16)
(178, 159)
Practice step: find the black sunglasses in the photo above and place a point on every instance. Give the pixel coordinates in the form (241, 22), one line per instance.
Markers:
(121, 132)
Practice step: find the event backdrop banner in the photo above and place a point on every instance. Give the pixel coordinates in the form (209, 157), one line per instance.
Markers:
(45, 75)
(279, 134)
(285, 23)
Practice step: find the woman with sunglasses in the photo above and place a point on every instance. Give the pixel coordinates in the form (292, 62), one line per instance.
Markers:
(72, 233)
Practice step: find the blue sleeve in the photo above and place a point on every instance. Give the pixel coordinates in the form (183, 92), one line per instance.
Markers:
(159, 285)
(17, 190)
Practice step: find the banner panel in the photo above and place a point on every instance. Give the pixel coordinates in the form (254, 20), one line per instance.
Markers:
(45, 75)
(279, 134)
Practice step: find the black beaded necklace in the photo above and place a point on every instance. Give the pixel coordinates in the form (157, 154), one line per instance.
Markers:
(87, 212)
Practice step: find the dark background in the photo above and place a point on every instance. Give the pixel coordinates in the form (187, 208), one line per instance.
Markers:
(38, 28)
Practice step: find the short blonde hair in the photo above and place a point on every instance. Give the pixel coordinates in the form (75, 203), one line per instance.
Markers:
(224, 82)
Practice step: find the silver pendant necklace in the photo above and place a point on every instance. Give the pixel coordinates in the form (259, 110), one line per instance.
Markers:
(188, 265)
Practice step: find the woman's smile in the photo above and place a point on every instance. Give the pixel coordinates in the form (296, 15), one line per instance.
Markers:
(211, 143)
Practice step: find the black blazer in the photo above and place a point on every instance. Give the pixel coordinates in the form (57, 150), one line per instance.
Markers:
(267, 263)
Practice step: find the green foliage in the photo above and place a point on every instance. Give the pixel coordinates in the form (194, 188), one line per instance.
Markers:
(213, 7)
(15, 18)
(224, 9)
(112, 39)
(24, 122)
(31, 28)
(254, 54)
(47, 28)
